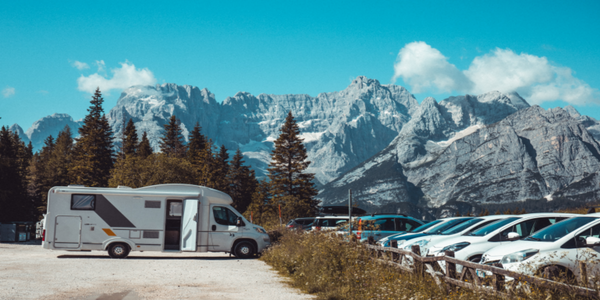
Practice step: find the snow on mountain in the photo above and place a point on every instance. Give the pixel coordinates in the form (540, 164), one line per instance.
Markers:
(528, 155)
(341, 129)
(432, 128)
(49, 125)
(150, 107)
(19, 131)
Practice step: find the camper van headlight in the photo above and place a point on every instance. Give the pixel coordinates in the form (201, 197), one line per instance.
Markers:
(260, 230)
(519, 256)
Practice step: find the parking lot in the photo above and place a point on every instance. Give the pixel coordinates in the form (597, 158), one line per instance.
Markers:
(29, 272)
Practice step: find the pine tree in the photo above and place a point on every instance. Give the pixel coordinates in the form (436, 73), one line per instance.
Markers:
(242, 182)
(261, 209)
(171, 143)
(130, 139)
(143, 149)
(14, 204)
(60, 158)
(221, 170)
(196, 145)
(207, 166)
(291, 186)
(93, 154)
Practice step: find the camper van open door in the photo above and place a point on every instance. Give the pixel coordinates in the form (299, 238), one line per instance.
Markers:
(189, 227)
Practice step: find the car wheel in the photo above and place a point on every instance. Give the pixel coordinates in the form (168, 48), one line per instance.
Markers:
(244, 250)
(475, 259)
(118, 250)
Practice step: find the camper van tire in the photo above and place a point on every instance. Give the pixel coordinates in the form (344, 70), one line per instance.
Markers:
(244, 249)
(118, 250)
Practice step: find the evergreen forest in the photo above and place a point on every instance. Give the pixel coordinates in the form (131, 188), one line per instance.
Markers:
(93, 159)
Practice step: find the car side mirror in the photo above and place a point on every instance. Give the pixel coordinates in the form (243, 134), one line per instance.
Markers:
(513, 236)
(592, 241)
(239, 222)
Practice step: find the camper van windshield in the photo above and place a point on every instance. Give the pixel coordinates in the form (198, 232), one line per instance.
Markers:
(224, 216)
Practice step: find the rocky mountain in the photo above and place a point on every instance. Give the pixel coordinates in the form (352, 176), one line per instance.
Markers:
(340, 129)
(380, 142)
(46, 126)
(531, 154)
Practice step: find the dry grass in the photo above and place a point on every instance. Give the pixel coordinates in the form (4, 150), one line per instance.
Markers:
(331, 268)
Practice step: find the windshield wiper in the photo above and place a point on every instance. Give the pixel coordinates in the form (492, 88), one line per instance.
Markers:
(529, 238)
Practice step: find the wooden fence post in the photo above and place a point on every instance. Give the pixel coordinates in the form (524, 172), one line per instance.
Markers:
(394, 244)
(583, 278)
(497, 279)
(417, 263)
(371, 240)
(450, 267)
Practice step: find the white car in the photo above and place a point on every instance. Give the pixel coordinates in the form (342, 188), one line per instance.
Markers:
(471, 246)
(559, 247)
(435, 230)
(328, 223)
(468, 226)
(384, 242)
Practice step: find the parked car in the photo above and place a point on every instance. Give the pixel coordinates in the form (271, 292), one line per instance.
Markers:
(471, 246)
(381, 225)
(559, 248)
(328, 222)
(465, 227)
(300, 223)
(384, 242)
(435, 230)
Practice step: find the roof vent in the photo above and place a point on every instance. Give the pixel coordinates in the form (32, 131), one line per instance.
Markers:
(76, 185)
(123, 187)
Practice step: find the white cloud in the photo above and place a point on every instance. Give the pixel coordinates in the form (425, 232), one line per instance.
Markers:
(533, 77)
(80, 65)
(8, 92)
(426, 68)
(101, 66)
(125, 76)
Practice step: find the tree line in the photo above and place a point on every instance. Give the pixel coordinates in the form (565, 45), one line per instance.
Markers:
(93, 160)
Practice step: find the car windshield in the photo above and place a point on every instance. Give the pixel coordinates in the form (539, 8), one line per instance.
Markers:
(492, 227)
(462, 226)
(560, 229)
(445, 226)
(427, 226)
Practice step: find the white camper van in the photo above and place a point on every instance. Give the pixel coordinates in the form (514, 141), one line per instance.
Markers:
(166, 217)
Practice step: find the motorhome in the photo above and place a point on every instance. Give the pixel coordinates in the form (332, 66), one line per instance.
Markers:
(166, 217)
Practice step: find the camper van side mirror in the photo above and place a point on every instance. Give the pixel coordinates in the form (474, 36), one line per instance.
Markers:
(240, 222)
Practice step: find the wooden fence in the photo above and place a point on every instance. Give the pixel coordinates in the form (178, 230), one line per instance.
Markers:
(468, 277)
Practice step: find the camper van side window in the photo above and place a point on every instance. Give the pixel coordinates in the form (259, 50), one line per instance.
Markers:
(83, 202)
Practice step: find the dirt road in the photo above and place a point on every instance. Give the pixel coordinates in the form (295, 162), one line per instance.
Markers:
(29, 272)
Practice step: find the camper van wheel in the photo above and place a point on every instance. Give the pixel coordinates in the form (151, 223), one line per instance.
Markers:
(118, 250)
(244, 250)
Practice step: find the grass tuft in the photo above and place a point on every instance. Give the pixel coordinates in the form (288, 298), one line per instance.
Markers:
(329, 267)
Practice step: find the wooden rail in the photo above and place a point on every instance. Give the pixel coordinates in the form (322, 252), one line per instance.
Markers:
(412, 261)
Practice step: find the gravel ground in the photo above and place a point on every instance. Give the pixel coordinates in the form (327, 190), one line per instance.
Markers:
(29, 272)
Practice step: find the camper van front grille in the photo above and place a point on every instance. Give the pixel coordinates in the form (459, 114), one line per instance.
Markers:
(152, 204)
(150, 234)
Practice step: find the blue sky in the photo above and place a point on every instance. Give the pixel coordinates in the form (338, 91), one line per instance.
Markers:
(52, 53)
